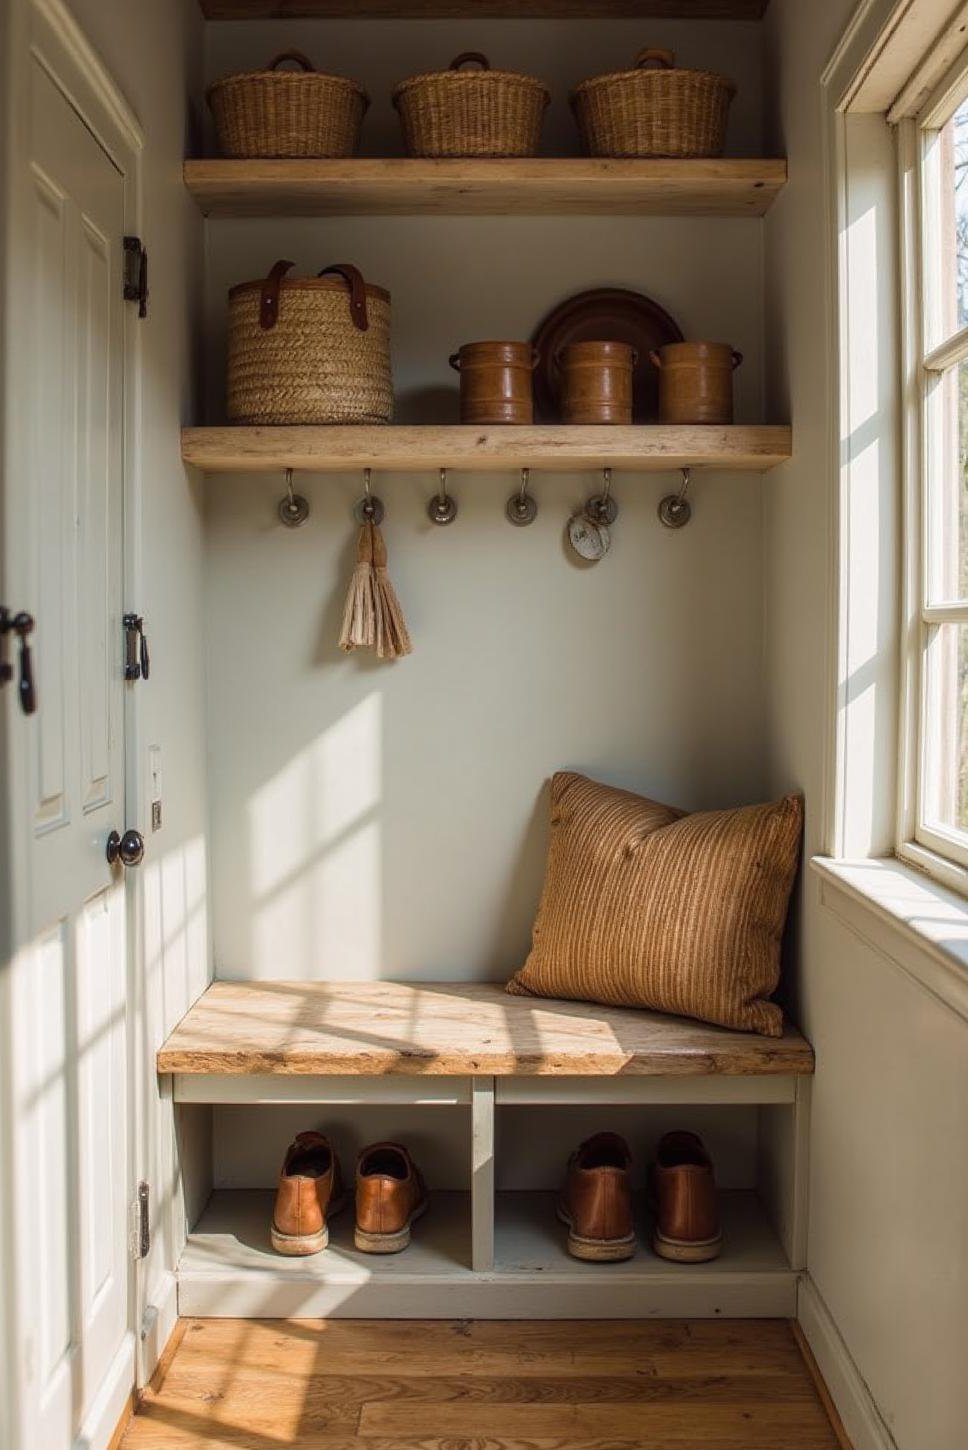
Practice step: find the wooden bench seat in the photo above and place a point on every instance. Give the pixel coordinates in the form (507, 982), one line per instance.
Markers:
(441, 1029)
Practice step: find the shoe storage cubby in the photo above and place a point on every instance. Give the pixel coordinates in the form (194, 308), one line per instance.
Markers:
(381, 1061)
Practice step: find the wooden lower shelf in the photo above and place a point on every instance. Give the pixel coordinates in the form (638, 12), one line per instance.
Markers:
(552, 448)
(229, 1269)
(405, 186)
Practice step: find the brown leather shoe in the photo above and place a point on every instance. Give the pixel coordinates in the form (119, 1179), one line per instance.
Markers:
(683, 1194)
(596, 1201)
(390, 1195)
(309, 1191)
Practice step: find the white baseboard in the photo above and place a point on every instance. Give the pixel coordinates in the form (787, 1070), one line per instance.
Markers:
(843, 1379)
(161, 1316)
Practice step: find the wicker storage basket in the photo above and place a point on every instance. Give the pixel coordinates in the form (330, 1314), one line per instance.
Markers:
(653, 110)
(287, 113)
(309, 349)
(481, 112)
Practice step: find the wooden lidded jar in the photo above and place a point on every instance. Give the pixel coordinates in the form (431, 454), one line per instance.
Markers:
(696, 381)
(495, 381)
(596, 382)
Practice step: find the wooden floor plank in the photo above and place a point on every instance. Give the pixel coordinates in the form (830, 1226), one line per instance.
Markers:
(665, 1348)
(394, 1385)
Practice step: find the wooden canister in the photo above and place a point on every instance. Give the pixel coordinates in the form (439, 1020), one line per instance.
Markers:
(696, 381)
(495, 382)
(596, 382)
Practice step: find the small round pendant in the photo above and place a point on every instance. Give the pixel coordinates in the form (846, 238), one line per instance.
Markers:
(589, 540)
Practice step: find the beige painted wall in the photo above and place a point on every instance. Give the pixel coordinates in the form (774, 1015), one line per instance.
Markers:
(391, 821)
(153, 51)
(372, 820)
(888, 1250)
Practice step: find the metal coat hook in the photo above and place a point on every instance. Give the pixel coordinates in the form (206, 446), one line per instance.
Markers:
(675, 510)
(293, 508)
(368, 509)
(602, 508)
(521, 507)
(442, 508)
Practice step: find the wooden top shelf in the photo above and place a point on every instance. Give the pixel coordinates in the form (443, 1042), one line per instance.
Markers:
(554, 448)
(483, 9)
(403, 186)
(378, 1028)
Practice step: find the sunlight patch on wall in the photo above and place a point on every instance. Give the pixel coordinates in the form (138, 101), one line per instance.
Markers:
(315, 850)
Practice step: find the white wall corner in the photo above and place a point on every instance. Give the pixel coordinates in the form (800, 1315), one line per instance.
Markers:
(848, 1389)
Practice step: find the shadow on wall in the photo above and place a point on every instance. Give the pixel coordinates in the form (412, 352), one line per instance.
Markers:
(375, 820)
(317, 859)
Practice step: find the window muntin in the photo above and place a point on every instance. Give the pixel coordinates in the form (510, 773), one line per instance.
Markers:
(941, 814)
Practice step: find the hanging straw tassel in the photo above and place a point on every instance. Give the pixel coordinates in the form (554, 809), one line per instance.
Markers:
(392, 636)
(359, 613)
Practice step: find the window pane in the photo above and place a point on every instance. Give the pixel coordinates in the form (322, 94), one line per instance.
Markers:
(946, 728)
(953, 282)
(947, 495)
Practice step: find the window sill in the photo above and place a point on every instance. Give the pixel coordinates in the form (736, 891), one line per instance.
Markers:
(920, 926)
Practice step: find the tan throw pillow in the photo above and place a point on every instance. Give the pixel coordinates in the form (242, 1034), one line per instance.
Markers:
(647, 906)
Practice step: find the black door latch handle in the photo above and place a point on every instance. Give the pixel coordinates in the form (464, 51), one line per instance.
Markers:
(21, 625)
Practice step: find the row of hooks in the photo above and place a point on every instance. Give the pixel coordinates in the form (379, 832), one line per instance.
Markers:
(521, 509)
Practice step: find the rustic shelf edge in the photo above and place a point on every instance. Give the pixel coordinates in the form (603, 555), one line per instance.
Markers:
(484, 9)
(341, 449)
(404, 186)
(435, 1030)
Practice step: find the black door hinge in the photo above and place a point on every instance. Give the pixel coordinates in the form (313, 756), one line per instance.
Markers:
(136, 274)
(144, 1227)
(137, 662)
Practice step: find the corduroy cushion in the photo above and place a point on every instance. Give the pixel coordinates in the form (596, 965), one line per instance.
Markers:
(648, 906)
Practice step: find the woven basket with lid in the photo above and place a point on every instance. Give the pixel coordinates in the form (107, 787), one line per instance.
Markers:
(654, 110)
(276, 112)
(309, 349)
(481, 112)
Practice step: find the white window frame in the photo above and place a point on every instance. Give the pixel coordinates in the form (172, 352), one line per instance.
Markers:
(928, 846)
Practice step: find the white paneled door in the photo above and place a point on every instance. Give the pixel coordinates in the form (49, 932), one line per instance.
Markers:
(69, 1001)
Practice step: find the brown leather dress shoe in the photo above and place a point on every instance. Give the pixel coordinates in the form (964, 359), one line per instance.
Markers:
(596, 1201)
(390, 1195)
(683, 1194)
(309, 1191)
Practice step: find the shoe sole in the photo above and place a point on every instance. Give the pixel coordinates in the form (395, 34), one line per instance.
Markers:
(686, 1251)
(395, 1243)
(297, 1246)
(596, 1251)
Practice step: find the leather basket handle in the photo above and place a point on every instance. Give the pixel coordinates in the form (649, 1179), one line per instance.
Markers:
(655, 359)
(295, 55)
(269, 296)
(465, 58)
(661, 59)
(454, 361)
(353, 277)
(737, 359)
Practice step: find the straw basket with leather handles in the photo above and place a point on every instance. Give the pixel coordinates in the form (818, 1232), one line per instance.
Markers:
(654, 110)
(481, 112)
(309, 349)
(276, 112)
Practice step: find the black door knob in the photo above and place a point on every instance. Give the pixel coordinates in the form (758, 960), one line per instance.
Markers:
(129, 849)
